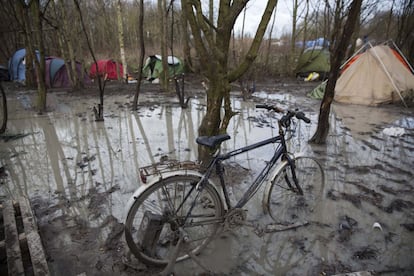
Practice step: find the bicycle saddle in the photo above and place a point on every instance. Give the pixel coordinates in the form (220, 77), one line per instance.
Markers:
(212, 141)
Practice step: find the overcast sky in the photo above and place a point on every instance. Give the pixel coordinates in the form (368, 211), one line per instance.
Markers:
(254, 14)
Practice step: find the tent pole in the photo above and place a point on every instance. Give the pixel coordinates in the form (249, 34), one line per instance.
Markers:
(356, 53)
(388, 75)
(401, 54)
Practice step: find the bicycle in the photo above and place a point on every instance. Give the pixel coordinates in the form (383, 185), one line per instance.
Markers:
(177, 214)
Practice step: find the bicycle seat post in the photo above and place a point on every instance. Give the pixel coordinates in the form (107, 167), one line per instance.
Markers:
(281, 131)
(220, 173)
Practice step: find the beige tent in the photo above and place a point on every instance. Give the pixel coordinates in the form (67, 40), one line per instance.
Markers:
(377, 76)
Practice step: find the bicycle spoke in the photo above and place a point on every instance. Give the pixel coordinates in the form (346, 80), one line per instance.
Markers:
(284, 203)
(159, 215)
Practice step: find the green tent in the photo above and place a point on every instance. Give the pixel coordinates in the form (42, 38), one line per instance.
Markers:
(318, 92)
(314, 59)
(153, 67)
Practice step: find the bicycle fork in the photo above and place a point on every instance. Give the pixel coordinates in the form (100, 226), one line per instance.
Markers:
(296, 187)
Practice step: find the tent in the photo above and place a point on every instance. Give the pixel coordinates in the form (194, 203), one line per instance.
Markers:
(153, 66)
(315, 59)
(57, 74)
(377, 76)
(108, 67)
(17, 67)
(319, 91)
(319, 42)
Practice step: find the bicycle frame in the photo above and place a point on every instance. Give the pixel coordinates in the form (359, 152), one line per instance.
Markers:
(182, 197)
(280, 152)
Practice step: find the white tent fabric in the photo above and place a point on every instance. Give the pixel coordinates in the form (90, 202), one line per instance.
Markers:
(376, 77)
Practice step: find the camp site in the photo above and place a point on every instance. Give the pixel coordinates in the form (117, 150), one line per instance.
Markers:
(195, 138)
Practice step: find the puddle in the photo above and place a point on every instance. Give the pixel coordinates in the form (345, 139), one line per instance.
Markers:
(79, 174)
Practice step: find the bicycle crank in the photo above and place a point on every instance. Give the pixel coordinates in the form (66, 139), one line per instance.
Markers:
(234, 218)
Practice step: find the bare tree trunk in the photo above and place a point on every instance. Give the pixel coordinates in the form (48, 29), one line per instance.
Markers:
(4, 105)
(269, 44)
(293, 38)
(98, 111)
(354, 37)
(212, 45)
(66, 43)
(243, 25)
(142, 53)
(164, 48)
(340, 43)
(405, 37)
(305, 26)
(188, 63)
(40, 64)
(211, 15)
(24, 19)
(211, 10)
(121, 39)
(390, 18)
(70, 36)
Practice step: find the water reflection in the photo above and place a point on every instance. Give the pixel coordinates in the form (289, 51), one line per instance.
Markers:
(85, 172)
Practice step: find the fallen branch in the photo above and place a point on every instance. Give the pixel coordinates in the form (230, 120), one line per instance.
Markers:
(275, 227)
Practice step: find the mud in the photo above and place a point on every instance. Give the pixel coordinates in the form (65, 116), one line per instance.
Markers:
(79, 174)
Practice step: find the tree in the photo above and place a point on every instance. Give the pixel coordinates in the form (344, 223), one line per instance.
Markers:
(142, 53)
(121, 38)
(269, 41)
(101, 81)
(163, 15)
(41, 63)
(67, 38)
(405, 26)
(212, 44)
(340, 41)
(22, 16)
(188, 62)
(294, 23)
(11, 36)
(3, 126)
(31, 15)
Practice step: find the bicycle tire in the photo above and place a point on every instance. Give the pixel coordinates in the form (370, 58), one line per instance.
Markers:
(163, 200)
(284, 203)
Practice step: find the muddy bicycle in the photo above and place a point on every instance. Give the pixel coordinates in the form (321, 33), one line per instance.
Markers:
(180, 210)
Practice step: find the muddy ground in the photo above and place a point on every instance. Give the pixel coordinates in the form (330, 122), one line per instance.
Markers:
(79, 174)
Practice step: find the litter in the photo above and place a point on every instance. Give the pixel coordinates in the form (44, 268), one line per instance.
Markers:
(312, 76)
(376, 225)
(394, 131)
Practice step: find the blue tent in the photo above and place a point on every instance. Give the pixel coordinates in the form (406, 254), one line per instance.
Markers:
(17, 67)
(319, 42)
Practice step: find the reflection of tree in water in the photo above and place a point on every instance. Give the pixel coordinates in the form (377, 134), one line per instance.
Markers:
(187, 129)
(370, 175)
(276, 253)
(179, 129)
(145, 139)
(370, 167)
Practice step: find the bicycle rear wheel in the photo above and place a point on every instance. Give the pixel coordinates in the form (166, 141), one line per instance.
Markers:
(157, 219)
(283, 201)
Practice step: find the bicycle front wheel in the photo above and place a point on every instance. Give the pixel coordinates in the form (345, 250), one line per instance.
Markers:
(284, 201)
(161, 215)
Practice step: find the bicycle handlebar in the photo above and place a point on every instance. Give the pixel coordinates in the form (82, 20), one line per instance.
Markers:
(300, 115)
(270, 107)
(289, 114)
